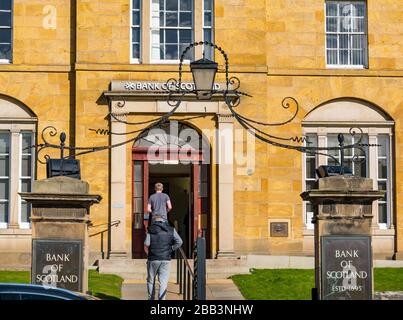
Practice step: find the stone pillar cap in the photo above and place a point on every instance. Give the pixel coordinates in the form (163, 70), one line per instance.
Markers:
(60, 185)
(342, 182)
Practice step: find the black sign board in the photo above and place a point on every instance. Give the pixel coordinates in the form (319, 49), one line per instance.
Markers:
(346, 268)
(57, 263)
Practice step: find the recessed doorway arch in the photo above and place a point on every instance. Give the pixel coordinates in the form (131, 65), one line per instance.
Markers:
(177, 155)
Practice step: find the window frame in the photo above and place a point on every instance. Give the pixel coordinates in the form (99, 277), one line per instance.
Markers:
(25, 224)
(211, 27)
(365, 58)
(193, 28)
(14, 215)
(140, 26)
(9, 61)
(389, 184)
(4, 224)
(322, 130)
(308, 224)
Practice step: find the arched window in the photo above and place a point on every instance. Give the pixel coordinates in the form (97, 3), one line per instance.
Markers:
(17, 135)
(322, 125)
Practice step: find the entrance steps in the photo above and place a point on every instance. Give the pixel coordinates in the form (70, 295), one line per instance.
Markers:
(136, 269)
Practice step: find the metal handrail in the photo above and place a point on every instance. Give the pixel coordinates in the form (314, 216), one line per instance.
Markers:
(115, 222)
(111, 224)
(192, 281)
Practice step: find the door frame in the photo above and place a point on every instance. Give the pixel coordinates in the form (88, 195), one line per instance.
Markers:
(142, 154)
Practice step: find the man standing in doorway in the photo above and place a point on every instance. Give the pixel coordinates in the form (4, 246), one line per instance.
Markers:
(159, 203)
(160, 242)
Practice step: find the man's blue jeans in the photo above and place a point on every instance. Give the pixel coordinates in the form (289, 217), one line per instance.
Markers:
(160, 268)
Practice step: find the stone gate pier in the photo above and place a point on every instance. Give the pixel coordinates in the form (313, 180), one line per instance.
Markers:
(343, 247)
(60, 220)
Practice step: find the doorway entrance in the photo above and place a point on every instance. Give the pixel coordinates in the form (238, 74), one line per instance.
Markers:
(186, 180)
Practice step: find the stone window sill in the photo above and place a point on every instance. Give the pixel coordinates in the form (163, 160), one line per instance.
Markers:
(15, 231)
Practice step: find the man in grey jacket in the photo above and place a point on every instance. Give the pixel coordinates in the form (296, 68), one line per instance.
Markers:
(160, 242)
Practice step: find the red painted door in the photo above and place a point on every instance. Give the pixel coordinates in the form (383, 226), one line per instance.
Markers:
(196, 201)
(139, 207)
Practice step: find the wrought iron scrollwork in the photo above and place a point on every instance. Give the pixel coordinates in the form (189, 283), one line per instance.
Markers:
(176, 91)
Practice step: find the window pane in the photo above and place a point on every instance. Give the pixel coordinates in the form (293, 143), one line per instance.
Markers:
(3, 212)
(189, 54)
(136, 35)
(359, 9)
(138, 171)
(5, 35)
(343, 41)
(185, 19)
(4, 143)
(26, 169)
(208, 5)
(382, 169)
(136, 18)
(331, 56)
(25, 212)
(138, 189)
(4, 166)
(185, 5)
(172, 5)
(382, 185)
(331, 41)
(360, 169)
(382, 213)
(171, 19)
(138, 221)
(171, 36)
(26, 185)
(203, 189)
(27, 143)
(207, 35)
(332, 142)
(136, 51)
(349, 164)
(343, 57)
(207, 19)
(309, 184)
(331, 24)
(357, 58)
(4, 183)
(138, 205)
(171, 52)
(5, 19)
(185, 36)
(136, 4)
(331, 9)
(310, 168)
(357, 25)
(5, 5)
(383, 142)
(5, 51)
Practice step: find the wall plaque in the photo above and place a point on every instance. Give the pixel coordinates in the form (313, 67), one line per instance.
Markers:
(346, 268)
(57, 263)
(278, 229)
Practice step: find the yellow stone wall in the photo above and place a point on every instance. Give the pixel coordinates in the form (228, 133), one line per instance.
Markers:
(276, 48)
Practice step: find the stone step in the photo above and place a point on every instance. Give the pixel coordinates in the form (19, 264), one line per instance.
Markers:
(137, 269)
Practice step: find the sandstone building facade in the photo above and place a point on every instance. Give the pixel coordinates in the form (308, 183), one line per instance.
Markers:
(70, 64)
